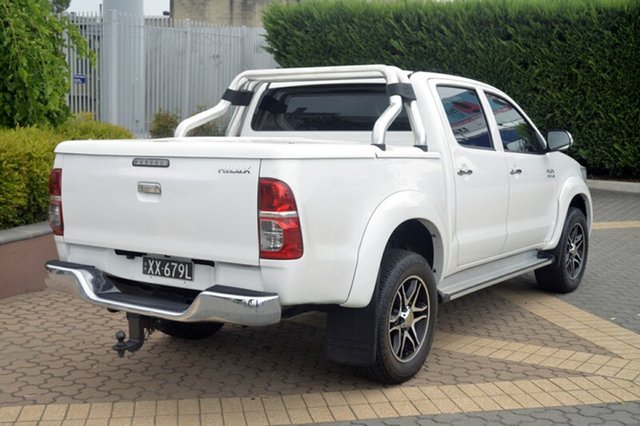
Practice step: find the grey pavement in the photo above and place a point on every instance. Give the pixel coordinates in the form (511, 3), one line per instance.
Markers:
(614, 253)
(609, 206)
(603, 414)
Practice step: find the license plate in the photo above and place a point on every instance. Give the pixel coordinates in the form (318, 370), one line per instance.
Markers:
(167, 268)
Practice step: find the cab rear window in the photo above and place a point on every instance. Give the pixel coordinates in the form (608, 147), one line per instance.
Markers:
(338, 107)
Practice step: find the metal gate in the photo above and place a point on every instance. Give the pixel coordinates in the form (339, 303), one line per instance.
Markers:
(144, 65)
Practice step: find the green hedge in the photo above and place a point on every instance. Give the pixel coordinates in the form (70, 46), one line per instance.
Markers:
(26, 158)
(570, 64)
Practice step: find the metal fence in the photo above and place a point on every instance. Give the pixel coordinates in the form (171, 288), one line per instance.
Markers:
(145, 65)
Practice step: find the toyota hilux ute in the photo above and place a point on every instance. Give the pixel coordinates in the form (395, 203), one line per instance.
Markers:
(366, 192)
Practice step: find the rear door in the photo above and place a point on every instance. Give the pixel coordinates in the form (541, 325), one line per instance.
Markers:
(202, 208)
(481, 185)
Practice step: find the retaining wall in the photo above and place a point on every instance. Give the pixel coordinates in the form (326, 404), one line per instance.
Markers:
(23, 252)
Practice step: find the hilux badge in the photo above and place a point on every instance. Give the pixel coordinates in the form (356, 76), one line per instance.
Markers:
(227, 171)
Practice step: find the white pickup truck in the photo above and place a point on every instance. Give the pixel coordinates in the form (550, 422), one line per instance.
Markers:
(366, 192)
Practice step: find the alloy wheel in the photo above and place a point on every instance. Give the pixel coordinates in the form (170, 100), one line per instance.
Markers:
(575, 248)
(409, 318)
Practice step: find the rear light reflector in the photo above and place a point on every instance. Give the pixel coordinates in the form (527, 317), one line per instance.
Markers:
(279, 224)
(55, 204)
(55, 217)
(55, 182)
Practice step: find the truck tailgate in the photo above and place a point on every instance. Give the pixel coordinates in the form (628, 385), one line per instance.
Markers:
(200, 208)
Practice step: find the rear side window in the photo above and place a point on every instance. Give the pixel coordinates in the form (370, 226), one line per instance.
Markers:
(466, 117)
(336, 107)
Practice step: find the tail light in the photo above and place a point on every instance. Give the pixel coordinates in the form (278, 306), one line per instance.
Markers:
(280, 233)
(55, 204)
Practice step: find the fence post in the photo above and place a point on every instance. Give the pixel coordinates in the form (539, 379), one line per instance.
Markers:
(186, 79)
(245, 49)
(109, 65)
(138, 63)
(112, 60)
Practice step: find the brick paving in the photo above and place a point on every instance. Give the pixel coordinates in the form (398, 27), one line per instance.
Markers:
(56, 349)
(510, 354)
(478, 310)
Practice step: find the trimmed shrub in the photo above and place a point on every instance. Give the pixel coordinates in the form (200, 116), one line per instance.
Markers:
(164, 123)
(216, 127)
(570, 64)
(26, 157)
(83, 126)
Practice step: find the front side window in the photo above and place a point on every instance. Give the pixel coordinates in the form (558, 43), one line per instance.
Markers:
(327, 107)
(516, 133)
(466, 117)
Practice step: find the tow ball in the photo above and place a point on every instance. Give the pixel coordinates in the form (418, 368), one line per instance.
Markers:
(138, 325)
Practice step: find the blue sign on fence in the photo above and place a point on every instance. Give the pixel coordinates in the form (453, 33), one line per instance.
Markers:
(79, 79)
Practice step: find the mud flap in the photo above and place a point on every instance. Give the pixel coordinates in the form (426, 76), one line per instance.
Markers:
(351, 334)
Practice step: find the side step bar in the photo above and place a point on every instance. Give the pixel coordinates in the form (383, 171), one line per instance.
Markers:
(479, 277)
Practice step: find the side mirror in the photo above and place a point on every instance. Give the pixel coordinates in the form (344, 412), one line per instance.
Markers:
(559, 140)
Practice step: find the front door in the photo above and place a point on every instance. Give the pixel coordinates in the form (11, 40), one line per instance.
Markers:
(532, 186)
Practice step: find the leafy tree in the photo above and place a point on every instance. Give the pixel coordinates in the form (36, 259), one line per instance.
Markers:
(35, 76)
(60, 6)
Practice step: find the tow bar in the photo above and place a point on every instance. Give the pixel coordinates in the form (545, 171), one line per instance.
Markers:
(138, 324)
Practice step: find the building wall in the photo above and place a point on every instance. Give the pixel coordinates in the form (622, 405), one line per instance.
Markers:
(221, 12)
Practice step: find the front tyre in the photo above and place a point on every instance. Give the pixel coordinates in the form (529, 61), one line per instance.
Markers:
(565, 273)
(406, 317)
(188, 330)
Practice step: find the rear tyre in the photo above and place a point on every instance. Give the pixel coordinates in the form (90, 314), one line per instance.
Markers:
(188, 330)
(406, 317)
(565, 273)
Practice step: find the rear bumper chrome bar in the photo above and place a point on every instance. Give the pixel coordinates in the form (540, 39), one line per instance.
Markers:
(218, 303)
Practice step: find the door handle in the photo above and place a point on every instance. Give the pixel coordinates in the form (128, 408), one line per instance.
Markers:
(516, 171)
(464, 172)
